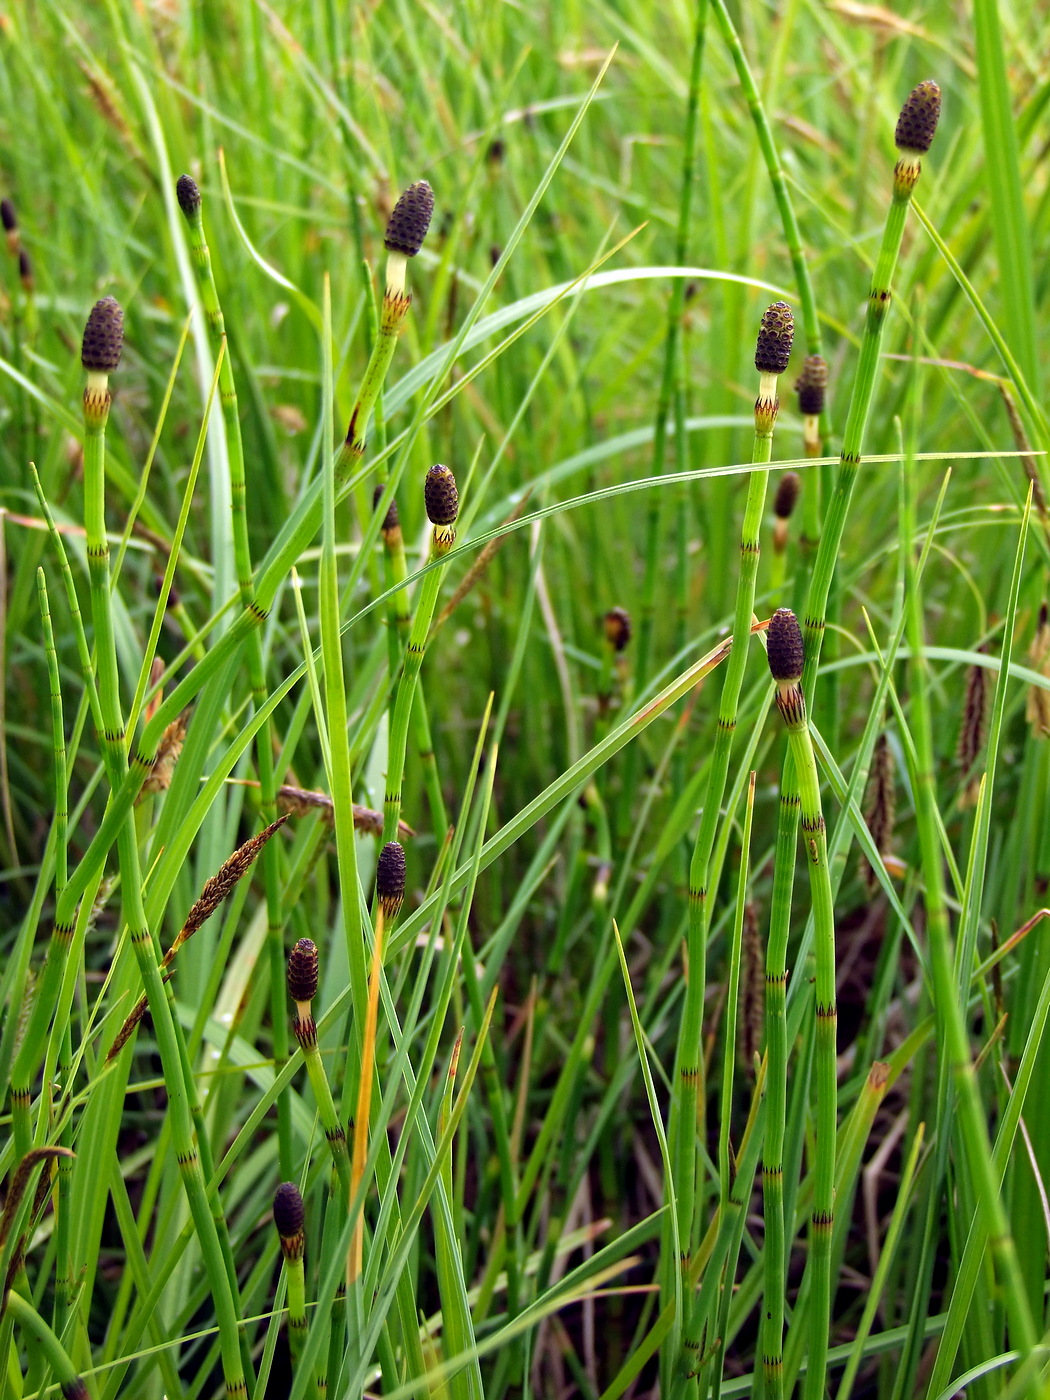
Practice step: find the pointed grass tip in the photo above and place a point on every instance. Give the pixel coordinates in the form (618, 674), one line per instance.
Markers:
(917, 122)
(785, 650)
(440, 496)
(302, 971)
(811, 385)
(187, 192)
(103, 337)
(786, 498)
(617, 625)
(390, 878)
(775, 337)
(408, 224)
(289, 1214)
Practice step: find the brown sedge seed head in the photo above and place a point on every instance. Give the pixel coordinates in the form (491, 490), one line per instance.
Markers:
(775, 337)
(440, 496)
(785, 651)
(810, 386)
(103, 337)
(786, 498)
(410, 219)
(302, 971)
(187, 192)
(917, 122)
(617, 625)
(390, 878)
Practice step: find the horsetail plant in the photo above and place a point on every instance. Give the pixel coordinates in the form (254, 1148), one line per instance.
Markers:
(100, 354)
(914, 135)
(784, 503)
(441, 499)
(405, 232)
(302, 974)
(772, 352)
(289, 1218)
(189, 199)
(786, 656)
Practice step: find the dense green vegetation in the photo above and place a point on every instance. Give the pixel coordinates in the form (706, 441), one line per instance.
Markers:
(563, 1125)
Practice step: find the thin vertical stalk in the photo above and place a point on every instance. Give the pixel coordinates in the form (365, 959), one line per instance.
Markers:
(687, 1102)
(785, 652)
(190, 203)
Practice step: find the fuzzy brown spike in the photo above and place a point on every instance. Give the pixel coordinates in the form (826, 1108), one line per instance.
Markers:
(410, 220)
(103, 337)
(754, 988)
(882, 805)
(775, 337)
(1037, 702)
(917, 123)
(971, 733)
(222, 884)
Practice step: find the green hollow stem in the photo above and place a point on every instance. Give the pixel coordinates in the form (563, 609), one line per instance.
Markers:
(792, 706)
(407, 683)
(687, 1102)
(256, 671)
(170, 1048)
(295, 1274)
(827, 551)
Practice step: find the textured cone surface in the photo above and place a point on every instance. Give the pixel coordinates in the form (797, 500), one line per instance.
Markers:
(440, 496)
(288, 1213)
(188, 195)
(25, 269)
(103, 337)
(775, 336)
(302, 971)
(811, 384)
(392, 519)
(784, 648)
(390, 873)
(410, 220)
(617, 628)
(917, 122)
(787, 495)
(8, 216)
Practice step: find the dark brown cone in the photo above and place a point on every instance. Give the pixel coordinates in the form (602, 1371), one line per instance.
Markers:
(289, 1214)
(440, 496)
(392, 519)
(785, 651)
(775, 337)
(25, 270)
(617, 624)
(188, 194)
(390, 878)
(103, 337)
(786, 498)
(811, 385)
(917, 122)
(410, 220)
(302, 971)
(8, 216)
